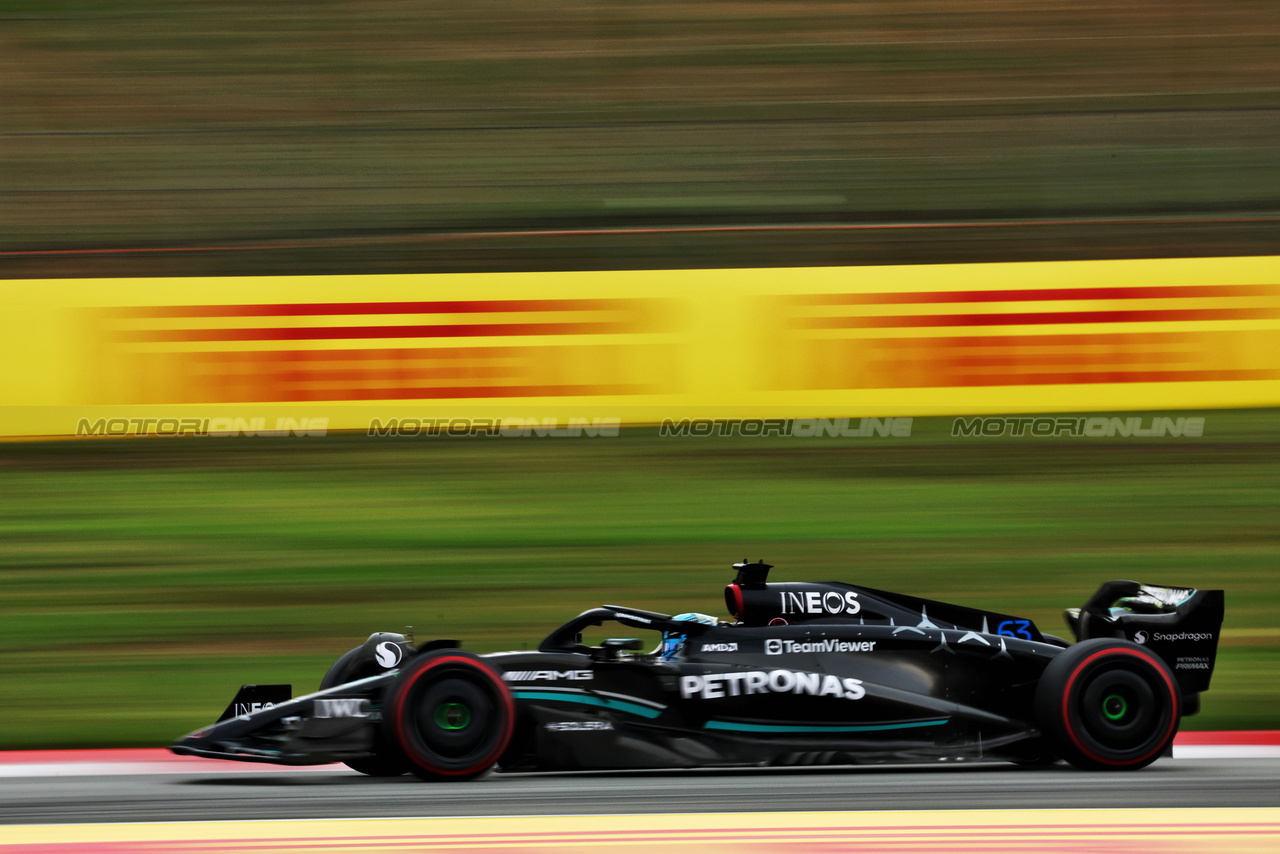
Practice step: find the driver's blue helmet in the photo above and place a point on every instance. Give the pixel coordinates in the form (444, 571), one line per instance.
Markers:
(673, 642)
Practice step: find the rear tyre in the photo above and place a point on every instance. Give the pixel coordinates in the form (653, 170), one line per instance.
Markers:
(1108, 704)
(386, 759)
(450, 714)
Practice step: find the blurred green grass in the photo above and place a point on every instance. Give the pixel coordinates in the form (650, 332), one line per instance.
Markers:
(206, 123)
(144, 580)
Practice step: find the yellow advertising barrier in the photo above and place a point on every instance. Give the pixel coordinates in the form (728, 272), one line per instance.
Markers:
(597, 349)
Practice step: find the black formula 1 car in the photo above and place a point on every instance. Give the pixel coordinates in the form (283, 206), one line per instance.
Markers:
(808, 674)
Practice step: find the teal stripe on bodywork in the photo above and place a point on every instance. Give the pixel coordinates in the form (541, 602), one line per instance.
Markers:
(584, 700)
(726, 725)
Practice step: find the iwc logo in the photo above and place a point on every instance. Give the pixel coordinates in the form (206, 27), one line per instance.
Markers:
(343, 707)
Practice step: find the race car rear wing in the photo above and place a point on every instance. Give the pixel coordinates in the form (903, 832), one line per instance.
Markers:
(1180, 624)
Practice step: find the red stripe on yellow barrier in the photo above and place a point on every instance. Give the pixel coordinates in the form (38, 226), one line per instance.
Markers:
(462, 373)
(446, 392)
(1037, 318)
(1046, 294)
(358, 308)
(976, 361)
(346, 333)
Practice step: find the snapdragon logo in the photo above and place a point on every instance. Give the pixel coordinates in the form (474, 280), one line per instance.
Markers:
(1198, 637)
(715, 686)
(388, 654)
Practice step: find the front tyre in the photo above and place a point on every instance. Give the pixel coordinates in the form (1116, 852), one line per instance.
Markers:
(450, 714)
(1108, 704)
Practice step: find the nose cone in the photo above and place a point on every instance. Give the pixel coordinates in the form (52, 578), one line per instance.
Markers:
(192, 744)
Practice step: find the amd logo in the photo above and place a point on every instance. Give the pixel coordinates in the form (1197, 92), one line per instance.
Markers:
(719, 647)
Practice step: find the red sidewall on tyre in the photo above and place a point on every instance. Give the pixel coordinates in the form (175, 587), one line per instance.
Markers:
(1109, 704)
(451, 714)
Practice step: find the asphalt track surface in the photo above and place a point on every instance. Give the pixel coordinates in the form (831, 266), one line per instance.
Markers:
(338, 793)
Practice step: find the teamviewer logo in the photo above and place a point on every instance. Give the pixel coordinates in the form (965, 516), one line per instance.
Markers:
(773, 647)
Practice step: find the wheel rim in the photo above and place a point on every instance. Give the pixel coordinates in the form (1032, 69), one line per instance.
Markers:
(452, 715)
(1121, 710)
(1114, 707)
